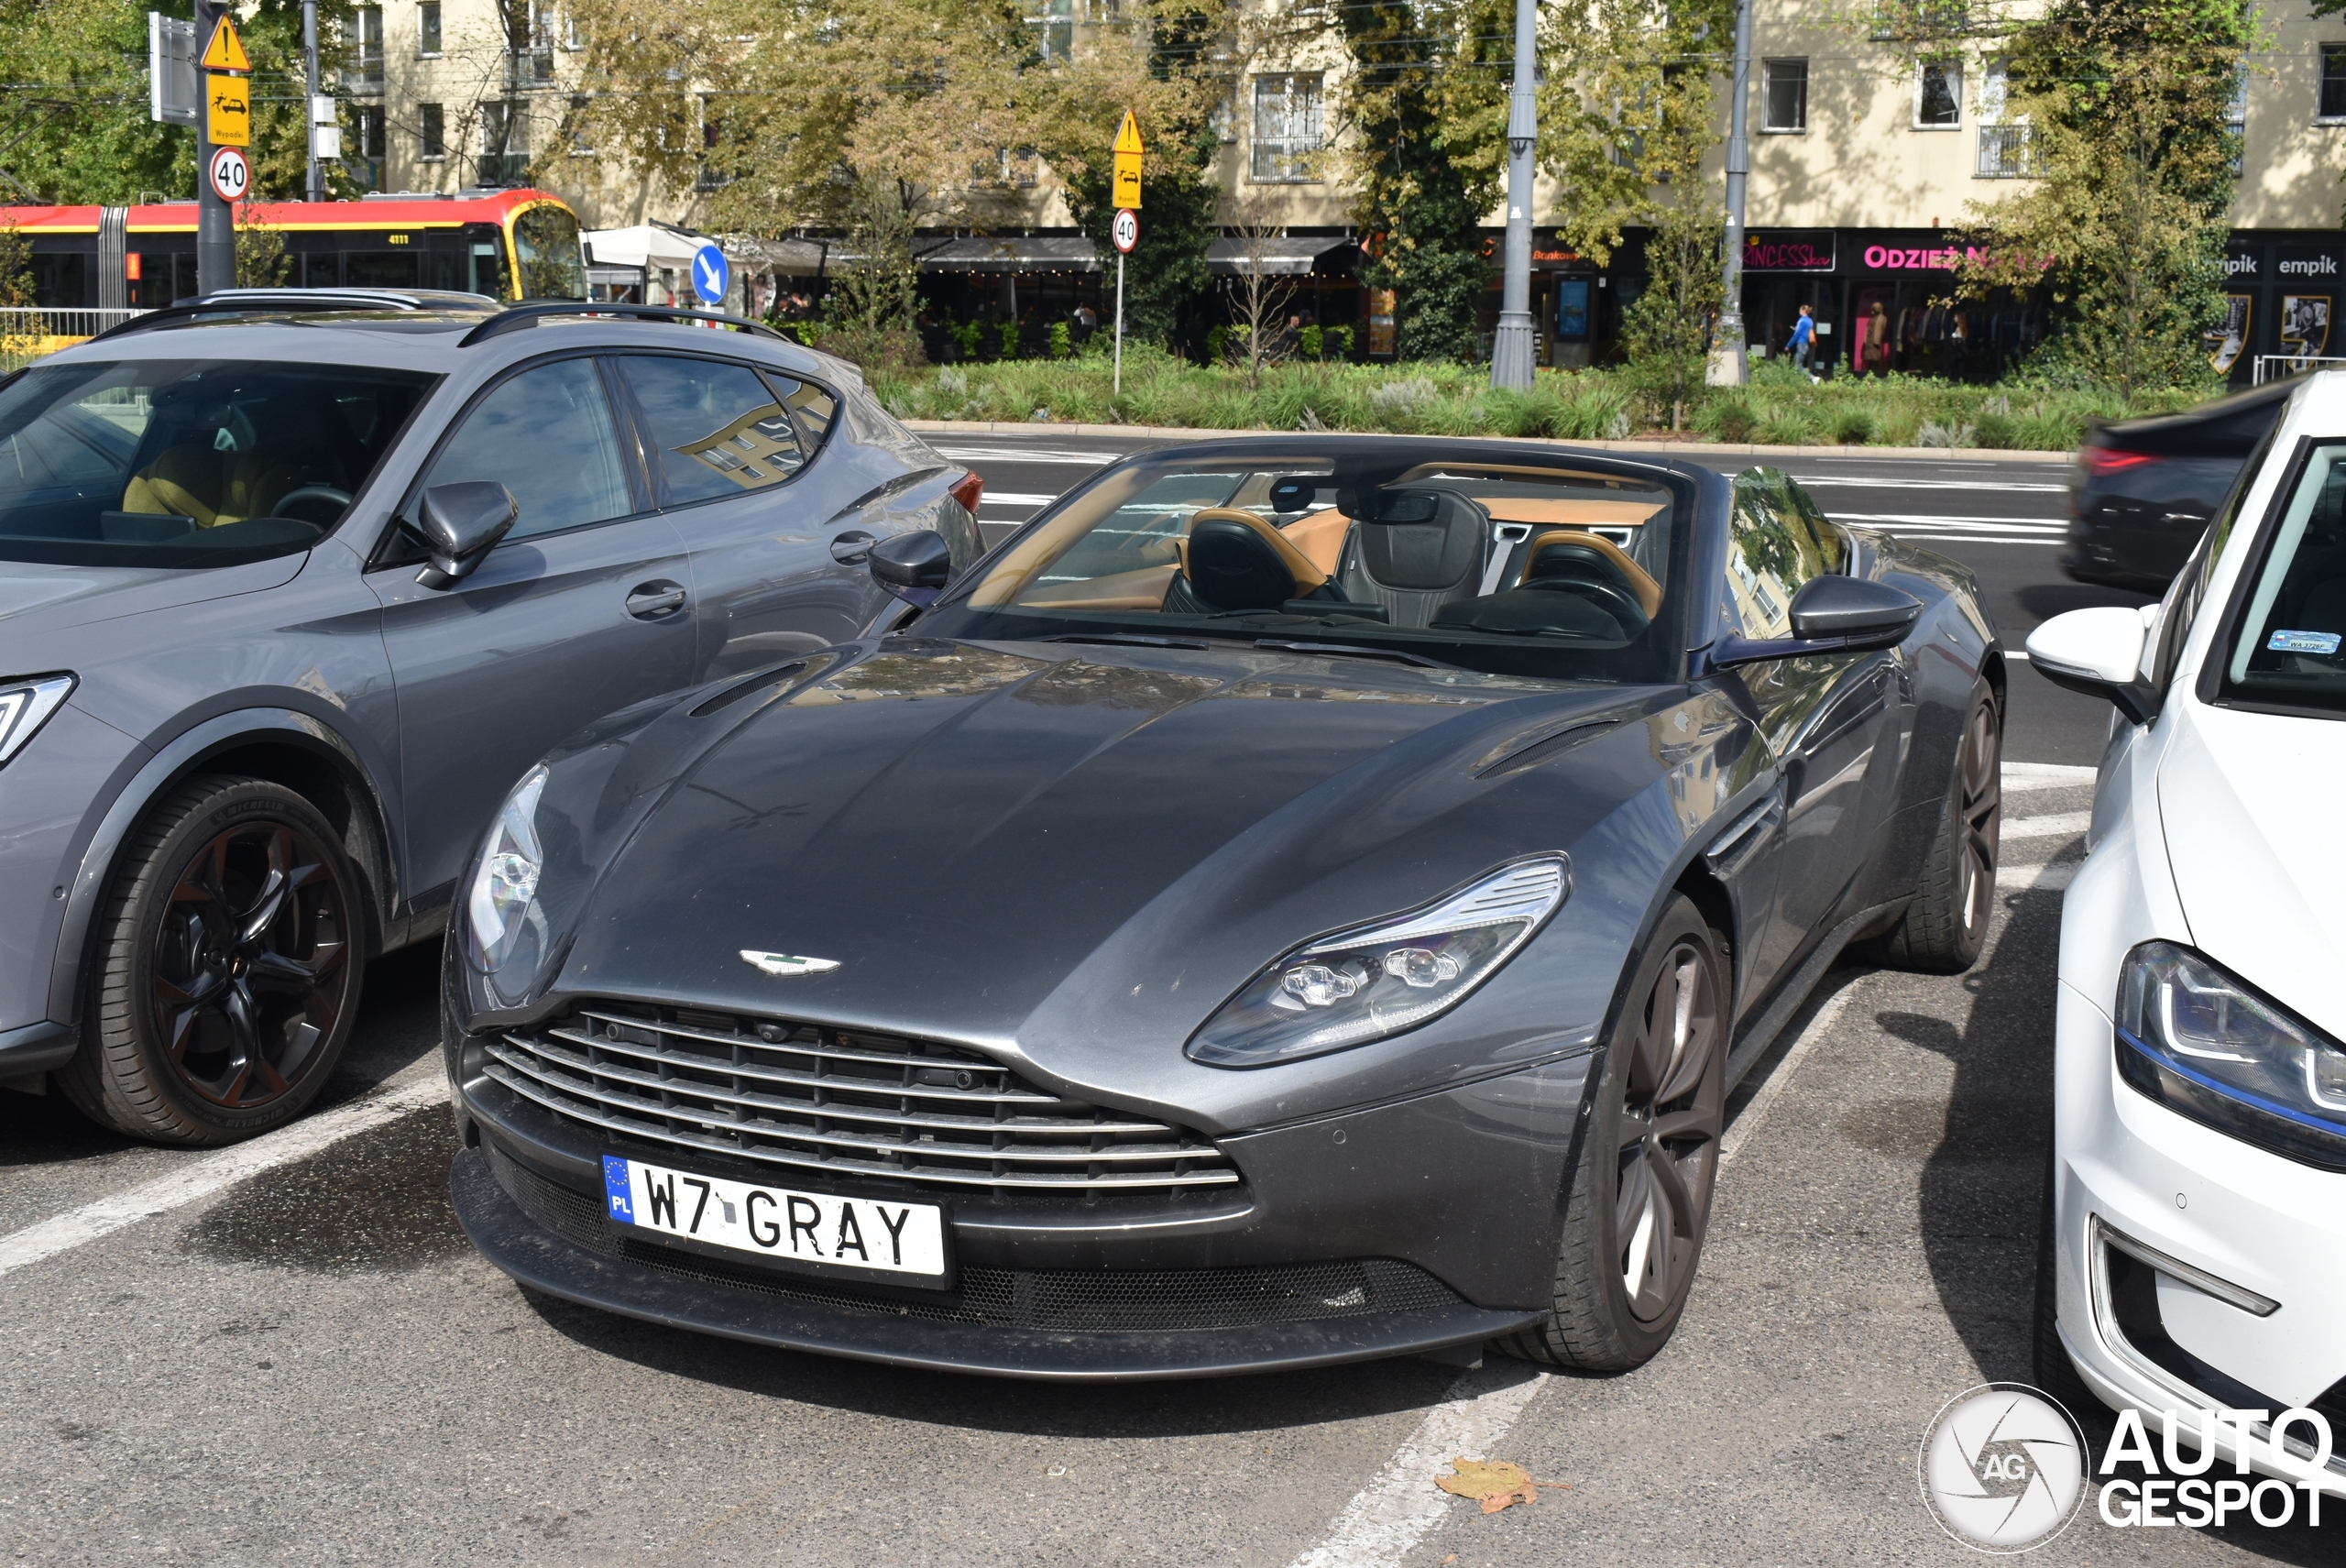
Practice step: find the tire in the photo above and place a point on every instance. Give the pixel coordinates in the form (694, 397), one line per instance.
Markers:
(226, 971)
(1944, 929)
(1649, 1161)
(2053, 1372)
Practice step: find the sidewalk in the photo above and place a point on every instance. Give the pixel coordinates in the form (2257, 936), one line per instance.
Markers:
(1650, 448)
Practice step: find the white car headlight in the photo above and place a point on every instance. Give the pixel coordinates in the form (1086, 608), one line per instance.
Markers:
(25, 707)
(503, 905)
(1374, 980)
(2205, 1045)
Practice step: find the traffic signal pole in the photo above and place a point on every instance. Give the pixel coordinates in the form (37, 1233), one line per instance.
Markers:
(215, 220)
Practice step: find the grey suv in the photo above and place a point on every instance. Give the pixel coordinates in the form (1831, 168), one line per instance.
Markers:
(292, 589)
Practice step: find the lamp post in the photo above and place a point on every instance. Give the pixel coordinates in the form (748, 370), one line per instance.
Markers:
(1511, 350)
(314, 187)
(1727, 368)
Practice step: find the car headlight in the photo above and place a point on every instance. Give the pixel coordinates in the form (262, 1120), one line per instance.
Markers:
(25, 707)
(503, 906)
(1374, 980)
(2202, 1043)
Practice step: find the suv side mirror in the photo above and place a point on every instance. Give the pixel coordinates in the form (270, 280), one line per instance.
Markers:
(459, 525)
(913, 566)
(2099, 653)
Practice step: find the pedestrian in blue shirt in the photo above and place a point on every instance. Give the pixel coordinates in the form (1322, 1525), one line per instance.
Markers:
(1804, 338)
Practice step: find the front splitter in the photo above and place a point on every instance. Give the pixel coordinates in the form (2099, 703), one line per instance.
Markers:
(544, 1261)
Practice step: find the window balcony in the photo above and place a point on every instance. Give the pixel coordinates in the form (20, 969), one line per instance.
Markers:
(2005, 153)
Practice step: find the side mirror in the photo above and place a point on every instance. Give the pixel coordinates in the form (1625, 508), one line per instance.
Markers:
(2099, 653)
(458, 525)
(1859, 611)
(1830, 615)
(913, 566)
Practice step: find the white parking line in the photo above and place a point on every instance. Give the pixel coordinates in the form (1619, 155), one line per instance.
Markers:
(2016, 525)
(193, 1182)
(1994, 485)
(1012, 499)
(2019, 776)
(2053, 825)
(1392, 1513)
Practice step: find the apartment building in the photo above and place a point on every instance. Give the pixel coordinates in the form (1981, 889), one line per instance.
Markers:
(1862, 166)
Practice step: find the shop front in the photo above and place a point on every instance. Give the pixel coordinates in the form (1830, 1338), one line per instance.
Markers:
(1884, 301)
(2281, 297)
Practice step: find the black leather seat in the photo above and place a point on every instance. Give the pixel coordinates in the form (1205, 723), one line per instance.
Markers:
(1233, 561)
(1416, 569)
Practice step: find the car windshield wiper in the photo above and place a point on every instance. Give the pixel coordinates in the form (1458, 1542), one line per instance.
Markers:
(1294, 645)
(1131, 639)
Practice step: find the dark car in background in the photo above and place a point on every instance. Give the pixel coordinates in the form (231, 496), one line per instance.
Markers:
(2145, 487)
(1299, 899)
(293, 587)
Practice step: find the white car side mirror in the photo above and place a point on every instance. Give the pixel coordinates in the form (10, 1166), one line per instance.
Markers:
(2098, 653)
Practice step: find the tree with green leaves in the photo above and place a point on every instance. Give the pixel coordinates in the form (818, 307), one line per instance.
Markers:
(1420, 163)
(2125, 223)
(1627, 118)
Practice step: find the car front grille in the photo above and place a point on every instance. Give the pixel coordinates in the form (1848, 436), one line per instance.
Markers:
(1044, 1300)
(844, 1102)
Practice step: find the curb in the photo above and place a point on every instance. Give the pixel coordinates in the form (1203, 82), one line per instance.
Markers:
(1650, 448)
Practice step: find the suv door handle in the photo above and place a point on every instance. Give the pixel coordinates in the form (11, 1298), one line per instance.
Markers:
(649, 602)
(853, 547)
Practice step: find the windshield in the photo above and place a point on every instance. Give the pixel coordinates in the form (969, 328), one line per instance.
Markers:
(187, 463)
(1561, 571)
(2287, 651)
(553, 267)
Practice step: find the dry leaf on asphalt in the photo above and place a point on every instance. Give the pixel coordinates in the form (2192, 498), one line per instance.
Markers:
(1495, 1483)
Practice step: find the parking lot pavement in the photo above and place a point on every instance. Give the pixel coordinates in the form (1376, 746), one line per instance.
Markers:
(310, 1366)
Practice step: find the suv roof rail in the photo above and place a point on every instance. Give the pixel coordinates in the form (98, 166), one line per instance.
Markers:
(304, 302)
(513, 318)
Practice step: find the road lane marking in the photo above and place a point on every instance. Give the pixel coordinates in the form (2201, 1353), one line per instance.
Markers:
(2020, 776)
(2052, 825)
(1014, 498)
(2019, 525)
(1998, 486)
(1392, 1513)
(200, 1179)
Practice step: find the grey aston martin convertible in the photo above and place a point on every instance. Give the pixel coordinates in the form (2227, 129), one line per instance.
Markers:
(1299, 899)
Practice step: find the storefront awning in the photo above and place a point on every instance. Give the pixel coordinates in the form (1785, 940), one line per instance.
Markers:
(991, 252)
(1286, 256)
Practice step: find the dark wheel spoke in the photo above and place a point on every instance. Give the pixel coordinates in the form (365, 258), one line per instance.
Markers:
(1672, 1105)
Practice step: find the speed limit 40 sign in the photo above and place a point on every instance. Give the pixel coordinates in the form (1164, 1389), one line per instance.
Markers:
(231, 175)
(1125, 230)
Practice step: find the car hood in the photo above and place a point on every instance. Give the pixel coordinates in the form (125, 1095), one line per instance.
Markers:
(37, 599)
(2257, 864)
(958, 828)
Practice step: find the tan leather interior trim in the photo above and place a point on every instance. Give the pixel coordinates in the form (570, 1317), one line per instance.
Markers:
(1307, 574)
(1321, 537)
(1584, 512)
(1640, 583)
(1143, 589)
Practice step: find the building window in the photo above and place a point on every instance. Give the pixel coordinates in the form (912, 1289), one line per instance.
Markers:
(582, 143)
(1223, 117)
(1783, 96)
(433, 122)
(1939, 95)
(362, 71)
(2003, 138)
(427, 30)
(1287, 128)
(574, 32)
(365, 163)
(538, 69)
(2331, 104)
(1021, 166)
(504, 144)
(2236, 119)
(1054, 25)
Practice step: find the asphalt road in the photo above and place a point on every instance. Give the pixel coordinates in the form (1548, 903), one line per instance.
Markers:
(306, 1365)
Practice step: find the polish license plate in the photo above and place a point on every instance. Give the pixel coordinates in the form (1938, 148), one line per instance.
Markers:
(851, 1236)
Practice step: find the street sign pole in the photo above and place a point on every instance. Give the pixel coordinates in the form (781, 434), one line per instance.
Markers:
(1119, 390)
(1124, 189)
(216, 221)
(313, 186)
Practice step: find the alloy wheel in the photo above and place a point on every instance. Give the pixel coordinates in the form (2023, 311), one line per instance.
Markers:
(248, 977)
(1978, 813)
(1672, 1103)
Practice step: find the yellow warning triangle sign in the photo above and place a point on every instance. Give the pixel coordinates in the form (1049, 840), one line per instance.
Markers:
(1127, 135)
(226, 50)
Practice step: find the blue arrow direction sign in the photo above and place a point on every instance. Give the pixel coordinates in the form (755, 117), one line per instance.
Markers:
(711, 275)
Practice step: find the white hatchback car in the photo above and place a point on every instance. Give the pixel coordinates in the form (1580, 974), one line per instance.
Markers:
(2195, 1254)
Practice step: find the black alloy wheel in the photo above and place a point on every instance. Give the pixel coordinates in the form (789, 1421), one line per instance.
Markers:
(1641, 1193)
(229, 968)
(1944, 928)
